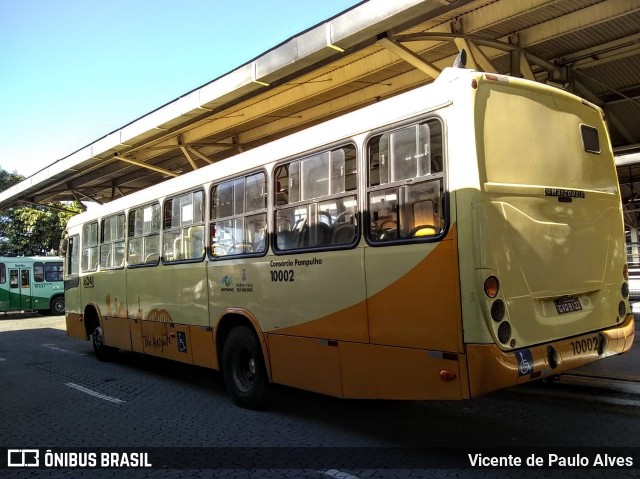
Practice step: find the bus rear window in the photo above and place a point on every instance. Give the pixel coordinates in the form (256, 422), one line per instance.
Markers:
(590, 140)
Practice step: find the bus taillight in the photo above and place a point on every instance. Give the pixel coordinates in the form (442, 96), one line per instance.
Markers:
(491, 286)
(447, 374)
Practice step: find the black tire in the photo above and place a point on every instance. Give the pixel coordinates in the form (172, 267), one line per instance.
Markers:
(245, 374)
(102, 351)
(57, 306)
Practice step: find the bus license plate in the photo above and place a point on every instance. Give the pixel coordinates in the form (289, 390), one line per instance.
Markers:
(567, 304)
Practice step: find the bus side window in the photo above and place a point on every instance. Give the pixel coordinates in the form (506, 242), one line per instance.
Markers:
(90, 246)
(3, 273)
(319, 208)
(144, 235)
(38, 272)
(72, 255)
(423, 209)
(239, 219)
(53, 271)
(383, 207)
(183, 237)
(112, 242)
(408, 161)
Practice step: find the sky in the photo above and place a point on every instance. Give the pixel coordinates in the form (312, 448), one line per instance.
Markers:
(72, 71)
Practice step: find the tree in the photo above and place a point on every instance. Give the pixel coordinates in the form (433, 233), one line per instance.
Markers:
(7, 179)
(31, 230)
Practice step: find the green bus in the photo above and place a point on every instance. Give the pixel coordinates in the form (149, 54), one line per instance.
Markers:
(32, 284)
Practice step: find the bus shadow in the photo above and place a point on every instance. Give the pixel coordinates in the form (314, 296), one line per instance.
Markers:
(184, 374)
(369, 422)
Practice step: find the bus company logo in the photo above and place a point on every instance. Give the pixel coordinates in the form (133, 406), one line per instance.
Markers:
(562, 193)
(23, 458)
(525, 362)
(227, 282)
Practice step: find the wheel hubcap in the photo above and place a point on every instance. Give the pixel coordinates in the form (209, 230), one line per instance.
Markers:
(97, 337)
(245, 370)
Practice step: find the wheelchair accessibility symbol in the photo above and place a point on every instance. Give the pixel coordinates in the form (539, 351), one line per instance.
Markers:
(182, 342)
(525, 362)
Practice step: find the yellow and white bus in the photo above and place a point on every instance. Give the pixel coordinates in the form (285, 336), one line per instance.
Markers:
(455, 239)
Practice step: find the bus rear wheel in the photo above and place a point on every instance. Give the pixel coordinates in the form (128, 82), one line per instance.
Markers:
(245, 374)
(101, 350)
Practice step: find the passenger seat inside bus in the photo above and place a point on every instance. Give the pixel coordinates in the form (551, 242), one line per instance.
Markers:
(343, 233)
(424, 221)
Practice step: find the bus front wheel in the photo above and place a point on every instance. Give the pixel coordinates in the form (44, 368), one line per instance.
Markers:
(101, 350)
(57, 305)
(245, 374)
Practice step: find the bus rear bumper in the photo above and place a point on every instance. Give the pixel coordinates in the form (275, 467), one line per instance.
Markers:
(491, 368)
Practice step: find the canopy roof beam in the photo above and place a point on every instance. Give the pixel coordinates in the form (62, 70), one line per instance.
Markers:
(157, 169)
(409, 56)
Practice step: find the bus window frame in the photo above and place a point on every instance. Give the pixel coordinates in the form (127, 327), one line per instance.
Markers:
(14, 274)
(96, 246)
(203, 223)
(129, 235)
(74, 248)
(355, 193)
(71, 278)
(442, 176)
(59, 270)
(111, 243)
(36, 276)
(263, 211)
(584, 129)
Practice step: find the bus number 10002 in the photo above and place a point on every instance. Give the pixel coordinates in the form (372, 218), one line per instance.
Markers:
(584, 346)
(285, 275)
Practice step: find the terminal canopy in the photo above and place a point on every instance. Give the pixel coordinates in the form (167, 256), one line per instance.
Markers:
(372, 51)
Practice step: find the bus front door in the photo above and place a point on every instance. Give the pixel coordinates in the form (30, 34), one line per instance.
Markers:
(19, 289)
